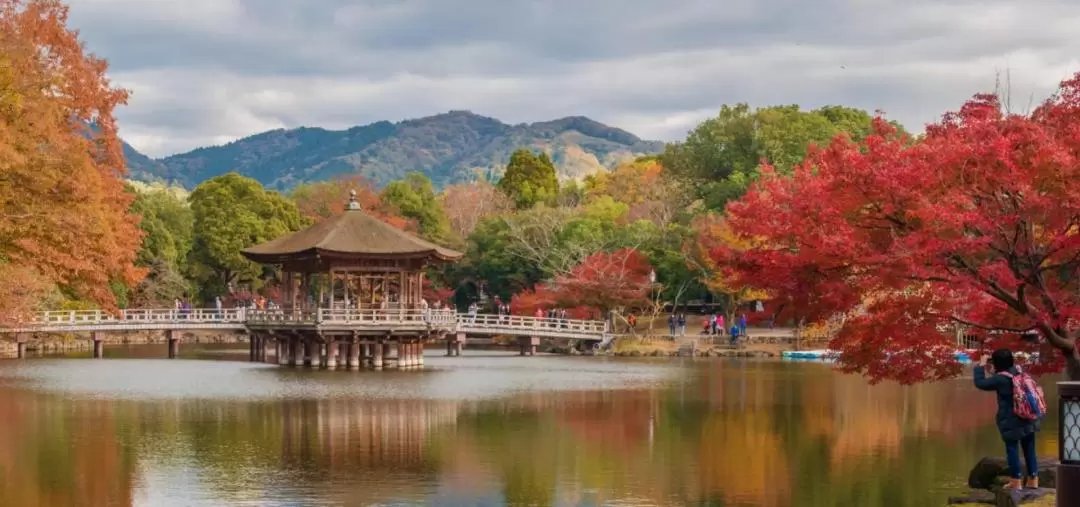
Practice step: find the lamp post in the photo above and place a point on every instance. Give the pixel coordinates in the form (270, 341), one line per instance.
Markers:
(1068, 479)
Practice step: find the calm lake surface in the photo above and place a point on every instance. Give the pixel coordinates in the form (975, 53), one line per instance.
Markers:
(484, 429)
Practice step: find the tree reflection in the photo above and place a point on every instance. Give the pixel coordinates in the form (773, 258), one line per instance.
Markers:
(764, 434)
(49, 456)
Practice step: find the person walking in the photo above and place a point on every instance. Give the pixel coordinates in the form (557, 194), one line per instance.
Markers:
(720, 327)
(1018, 418)
(742, 325)
(681, 321)
(671, 325)
(217, 305)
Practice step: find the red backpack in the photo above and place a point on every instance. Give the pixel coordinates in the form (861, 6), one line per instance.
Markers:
(1029, 404)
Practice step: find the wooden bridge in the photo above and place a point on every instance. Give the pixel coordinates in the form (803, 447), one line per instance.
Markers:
(368, 328)
(377, 321)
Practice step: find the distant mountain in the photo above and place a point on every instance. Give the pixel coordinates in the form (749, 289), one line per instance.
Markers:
(449, 148)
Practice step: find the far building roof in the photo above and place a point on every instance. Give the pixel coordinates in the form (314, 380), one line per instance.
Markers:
(350, 235)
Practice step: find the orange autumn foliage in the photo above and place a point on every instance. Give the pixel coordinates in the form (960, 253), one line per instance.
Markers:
(21, 290)
(321, 200)
(631, 183)
(468, 204)
(63, 209)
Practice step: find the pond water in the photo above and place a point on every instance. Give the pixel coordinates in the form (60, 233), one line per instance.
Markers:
(484, 429)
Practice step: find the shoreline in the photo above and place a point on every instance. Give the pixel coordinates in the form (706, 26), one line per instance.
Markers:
(47, 344)
(643, 346)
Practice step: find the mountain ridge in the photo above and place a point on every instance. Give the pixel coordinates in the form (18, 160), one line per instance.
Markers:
(449, 147)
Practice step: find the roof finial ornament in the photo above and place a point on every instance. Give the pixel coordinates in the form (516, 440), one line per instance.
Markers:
(353, 205)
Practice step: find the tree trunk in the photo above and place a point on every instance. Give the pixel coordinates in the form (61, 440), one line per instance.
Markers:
(1072, 363)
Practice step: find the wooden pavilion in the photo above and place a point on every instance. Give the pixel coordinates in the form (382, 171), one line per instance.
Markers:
(352, 260)
(350, 280)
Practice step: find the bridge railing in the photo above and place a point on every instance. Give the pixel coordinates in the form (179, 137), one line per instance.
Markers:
(354, 315)
(405, 315)
(520, 322)
(320, 316)
(236, 315)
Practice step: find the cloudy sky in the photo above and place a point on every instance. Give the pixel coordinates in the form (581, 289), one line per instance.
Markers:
(209, 71)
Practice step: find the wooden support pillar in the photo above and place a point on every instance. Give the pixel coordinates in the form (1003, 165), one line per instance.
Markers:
(305, 289)
(420, 353)
(450, 347)
(287, 300)
(253, 354)
(402, 360)
(282, 351)
(20, 348)
(345, 287)
(459, 346)
(528, 345)
(322, 294)
(332, 354)
(293, 350)
(173, 344)
(354, 354)
(532, 344)
(99, 345)
(377, 355)
(309, 351)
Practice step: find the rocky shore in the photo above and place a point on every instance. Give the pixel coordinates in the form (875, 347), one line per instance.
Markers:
(990, 474)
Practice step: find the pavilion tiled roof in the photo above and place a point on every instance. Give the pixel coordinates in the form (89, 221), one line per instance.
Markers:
(352, 233)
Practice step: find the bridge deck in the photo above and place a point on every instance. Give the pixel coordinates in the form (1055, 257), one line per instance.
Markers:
(322, 319)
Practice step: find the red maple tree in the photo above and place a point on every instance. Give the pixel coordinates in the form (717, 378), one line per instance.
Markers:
(977, 223)
(601, 282)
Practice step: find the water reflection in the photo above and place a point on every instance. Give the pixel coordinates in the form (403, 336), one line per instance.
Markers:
(542, 431)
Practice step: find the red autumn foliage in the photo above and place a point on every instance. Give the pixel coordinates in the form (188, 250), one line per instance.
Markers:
(543, 298)
(977, 223)
(604, 280)
(433, 293)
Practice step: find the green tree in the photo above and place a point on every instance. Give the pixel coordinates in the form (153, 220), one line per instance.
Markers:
(530, 179)
(160, 287)
(414, 198)
(490, 260)
(168, 225)
(233, 212)
(722, 154)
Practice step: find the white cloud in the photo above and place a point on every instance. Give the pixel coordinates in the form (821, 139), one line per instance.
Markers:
(208, 71)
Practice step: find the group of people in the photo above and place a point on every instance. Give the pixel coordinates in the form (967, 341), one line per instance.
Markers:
(714, 325)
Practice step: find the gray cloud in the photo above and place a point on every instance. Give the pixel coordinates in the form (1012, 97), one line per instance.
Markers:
(208, 71)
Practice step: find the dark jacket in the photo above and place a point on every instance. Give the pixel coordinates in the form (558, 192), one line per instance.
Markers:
(1010, 426)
